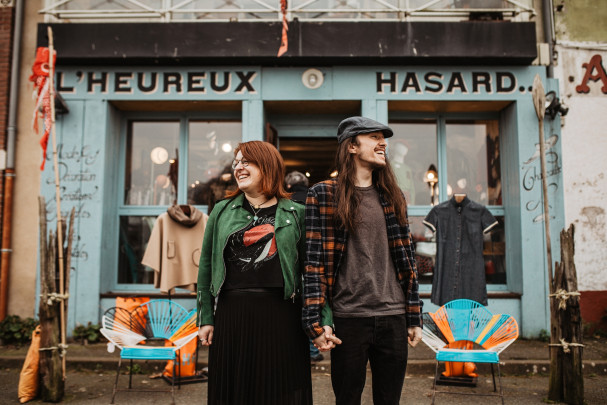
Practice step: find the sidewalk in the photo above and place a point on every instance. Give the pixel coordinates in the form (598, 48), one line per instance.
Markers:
(91, 373)
(523, 357)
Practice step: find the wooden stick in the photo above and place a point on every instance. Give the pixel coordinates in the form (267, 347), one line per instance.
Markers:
(68, 256)
(539, 101)
(555, 383)
(57, 192)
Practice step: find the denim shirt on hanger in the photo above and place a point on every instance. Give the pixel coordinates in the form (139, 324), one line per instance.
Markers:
(459, 271)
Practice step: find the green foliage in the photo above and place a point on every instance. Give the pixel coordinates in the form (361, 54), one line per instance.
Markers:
(544, 336)
(87, 334)
(135, 370)
(16, 331)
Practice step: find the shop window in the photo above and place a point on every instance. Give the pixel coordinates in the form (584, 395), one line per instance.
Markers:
(154, 177)
(412, 150)
(210, 154)
(436, 158)
(473, 160)
(151, 163)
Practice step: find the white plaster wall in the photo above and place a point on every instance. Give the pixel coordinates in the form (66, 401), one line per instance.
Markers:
(28, 155)
(585, 163)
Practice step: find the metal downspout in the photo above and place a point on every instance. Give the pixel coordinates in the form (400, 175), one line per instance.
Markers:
(9, 172)
(548, 24)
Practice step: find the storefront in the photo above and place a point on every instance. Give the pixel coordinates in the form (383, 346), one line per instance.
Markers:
(137, 140)
(144, 134)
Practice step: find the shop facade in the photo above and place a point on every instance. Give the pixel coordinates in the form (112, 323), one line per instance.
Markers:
(136, 140)
(153, 113)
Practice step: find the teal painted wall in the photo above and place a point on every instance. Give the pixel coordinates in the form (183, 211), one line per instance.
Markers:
(81, 149)
(90, 136)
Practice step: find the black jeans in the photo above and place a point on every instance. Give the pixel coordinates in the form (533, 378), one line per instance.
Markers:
(381, 340)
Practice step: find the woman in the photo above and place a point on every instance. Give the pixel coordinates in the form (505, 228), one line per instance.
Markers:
(252, 261)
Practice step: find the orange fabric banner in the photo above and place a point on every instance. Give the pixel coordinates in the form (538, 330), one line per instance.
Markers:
(284, 42)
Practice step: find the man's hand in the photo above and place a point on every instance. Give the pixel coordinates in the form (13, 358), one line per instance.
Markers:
(327, 340)
(205, 334)
(414, 335)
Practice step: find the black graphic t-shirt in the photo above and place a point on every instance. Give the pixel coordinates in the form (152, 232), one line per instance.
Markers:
(251, 255)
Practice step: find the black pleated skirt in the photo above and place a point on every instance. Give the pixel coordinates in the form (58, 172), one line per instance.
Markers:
(260, 354)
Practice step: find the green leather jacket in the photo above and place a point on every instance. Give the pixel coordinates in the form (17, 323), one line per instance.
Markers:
(227, 217)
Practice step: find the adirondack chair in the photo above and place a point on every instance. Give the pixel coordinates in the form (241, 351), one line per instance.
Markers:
(467, 320)
(157, 320)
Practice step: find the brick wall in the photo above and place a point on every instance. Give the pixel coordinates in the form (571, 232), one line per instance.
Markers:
(6, 45)
(6, 40)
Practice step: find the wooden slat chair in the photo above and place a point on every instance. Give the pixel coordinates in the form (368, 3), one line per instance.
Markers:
(467, 320)
(132, 332)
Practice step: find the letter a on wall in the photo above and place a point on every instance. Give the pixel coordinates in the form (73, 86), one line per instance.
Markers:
(595, 64)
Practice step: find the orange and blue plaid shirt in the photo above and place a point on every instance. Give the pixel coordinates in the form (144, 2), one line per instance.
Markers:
(326, 247)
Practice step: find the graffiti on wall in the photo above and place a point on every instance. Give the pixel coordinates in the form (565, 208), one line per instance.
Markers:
(532, 177)
(594, 72)
(79, 187)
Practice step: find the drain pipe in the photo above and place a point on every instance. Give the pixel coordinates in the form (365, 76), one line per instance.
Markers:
(9, 172)
(548, 25)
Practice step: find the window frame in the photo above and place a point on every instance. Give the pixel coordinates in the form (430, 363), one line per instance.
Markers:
(440, 120)
(124, 210)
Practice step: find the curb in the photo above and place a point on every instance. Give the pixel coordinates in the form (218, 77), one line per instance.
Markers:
(414, 367)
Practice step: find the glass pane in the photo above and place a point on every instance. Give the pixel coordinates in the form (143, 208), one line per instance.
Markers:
(425, 249)
(494, 251)
(134, 235)
(412, 150)
(210, 154)
(151, 163)
(473, 160)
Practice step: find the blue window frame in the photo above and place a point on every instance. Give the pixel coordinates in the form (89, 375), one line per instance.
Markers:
(165, 159)
(463, 151)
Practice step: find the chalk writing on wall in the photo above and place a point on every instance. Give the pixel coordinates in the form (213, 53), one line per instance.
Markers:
(532, 176)
(79, 185)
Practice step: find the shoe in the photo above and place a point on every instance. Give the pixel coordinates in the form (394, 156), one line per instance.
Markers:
(317, 358)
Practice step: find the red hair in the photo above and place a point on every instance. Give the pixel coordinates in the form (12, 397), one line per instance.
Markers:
(271, 166)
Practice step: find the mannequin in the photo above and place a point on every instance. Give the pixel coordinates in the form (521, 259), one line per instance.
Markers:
(459, 198)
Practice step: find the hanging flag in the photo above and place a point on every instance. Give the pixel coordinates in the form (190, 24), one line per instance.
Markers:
(284, 43)
(42, 95)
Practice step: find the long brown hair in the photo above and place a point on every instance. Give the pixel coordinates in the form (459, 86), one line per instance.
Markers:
(269, 161)
(346, 201)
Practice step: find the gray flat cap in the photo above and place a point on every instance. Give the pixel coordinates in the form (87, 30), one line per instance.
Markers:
(360, 125)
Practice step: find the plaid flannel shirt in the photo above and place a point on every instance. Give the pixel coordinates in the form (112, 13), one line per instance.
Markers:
(325, 248)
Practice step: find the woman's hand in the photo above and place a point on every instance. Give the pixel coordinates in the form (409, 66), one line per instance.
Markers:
(327, 340)
(205, 334)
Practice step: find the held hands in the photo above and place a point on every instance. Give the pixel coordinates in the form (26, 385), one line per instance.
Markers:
(327, 340)
(414, 335)
(205, 334)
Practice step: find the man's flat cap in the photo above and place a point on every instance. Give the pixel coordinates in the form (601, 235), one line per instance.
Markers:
(360, 125)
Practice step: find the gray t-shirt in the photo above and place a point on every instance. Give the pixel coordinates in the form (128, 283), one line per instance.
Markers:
(366, 283)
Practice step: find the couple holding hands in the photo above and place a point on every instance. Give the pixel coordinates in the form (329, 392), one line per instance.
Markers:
(342, 266)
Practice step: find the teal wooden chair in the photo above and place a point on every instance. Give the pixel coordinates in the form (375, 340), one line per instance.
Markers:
(466, 320)
(142, 333)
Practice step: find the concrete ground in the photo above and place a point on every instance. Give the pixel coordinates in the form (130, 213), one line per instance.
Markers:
(89, 387)
(91, 373)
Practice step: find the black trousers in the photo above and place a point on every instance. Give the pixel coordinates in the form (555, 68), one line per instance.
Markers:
(380, 340)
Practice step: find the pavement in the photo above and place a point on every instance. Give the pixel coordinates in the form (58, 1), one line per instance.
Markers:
(524, 366)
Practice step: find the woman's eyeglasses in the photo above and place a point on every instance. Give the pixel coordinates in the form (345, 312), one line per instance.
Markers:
(243, 162)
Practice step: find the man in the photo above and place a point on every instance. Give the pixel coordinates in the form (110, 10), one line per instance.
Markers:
(297, 183)
(360, 279)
